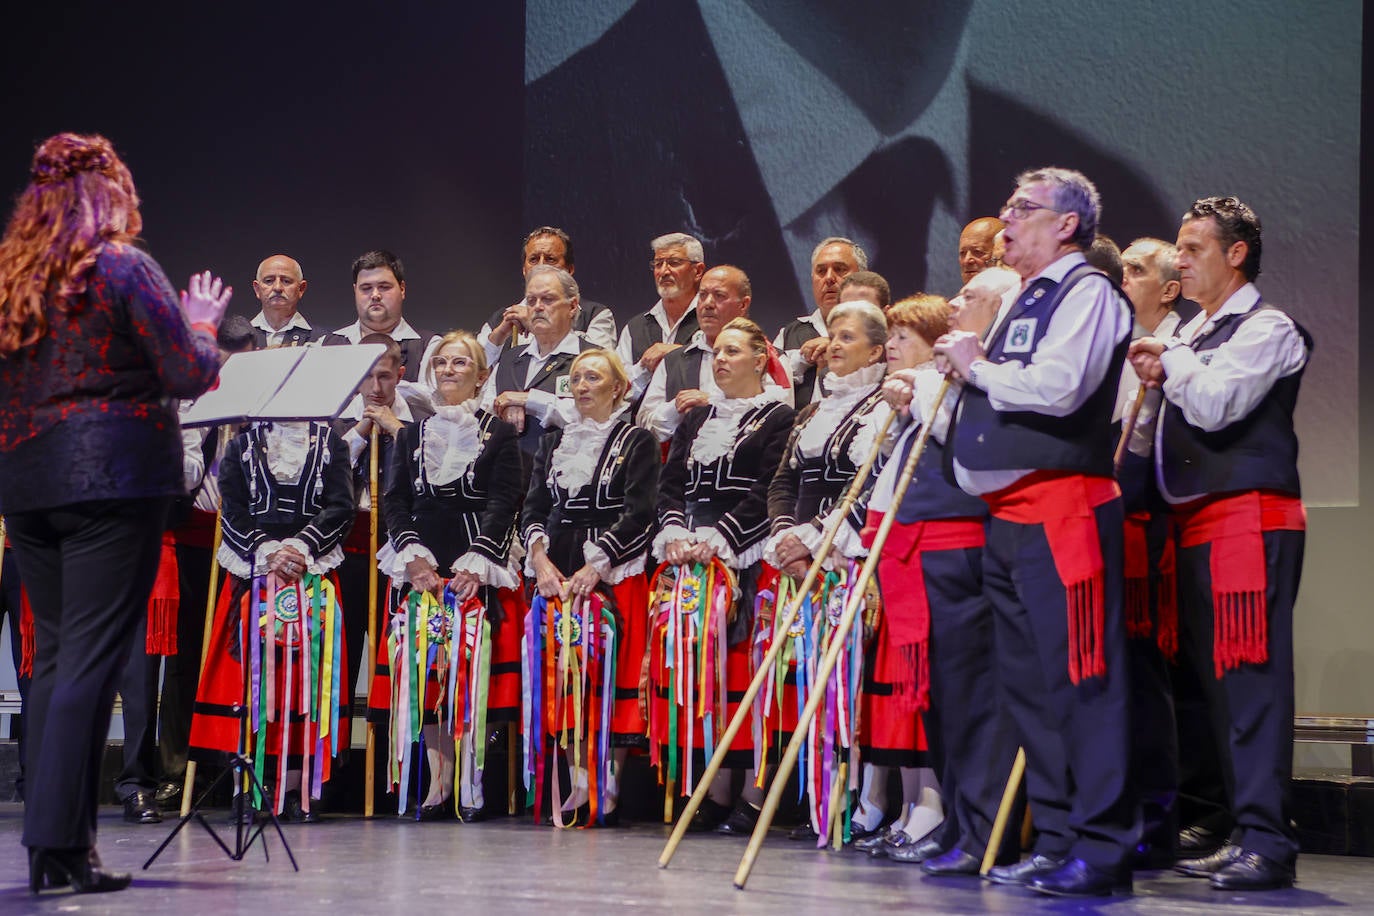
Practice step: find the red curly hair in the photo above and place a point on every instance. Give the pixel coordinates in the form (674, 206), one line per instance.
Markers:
(80, 195)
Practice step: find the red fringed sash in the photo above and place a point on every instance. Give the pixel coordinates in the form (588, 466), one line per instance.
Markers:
(1234, 526)
(1137, 577)
(26, 636)
(163, 602)
(906, 605)
(1064, 504)
(1167, 636)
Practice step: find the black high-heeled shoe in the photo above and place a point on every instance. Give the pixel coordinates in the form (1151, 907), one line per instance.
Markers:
(80, 868)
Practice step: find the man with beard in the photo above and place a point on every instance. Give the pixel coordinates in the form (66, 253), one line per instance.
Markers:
(677, 265)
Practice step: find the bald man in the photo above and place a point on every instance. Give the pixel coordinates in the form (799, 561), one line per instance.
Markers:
(976, 246)
(279, 286)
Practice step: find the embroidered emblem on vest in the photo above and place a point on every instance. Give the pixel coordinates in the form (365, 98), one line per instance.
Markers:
(1020, 334)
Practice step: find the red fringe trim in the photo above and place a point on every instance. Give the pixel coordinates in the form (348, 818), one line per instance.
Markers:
(909, 668)
(163, 603)
(1166, 636)
(26, 635)
(1240, 630)
(1087, 622)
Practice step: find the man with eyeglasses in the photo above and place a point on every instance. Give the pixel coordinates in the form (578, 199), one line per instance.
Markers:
(678, 264)
(530, 385)
(803, 341)
(544, 245)
(1030, 437)
(280, 286)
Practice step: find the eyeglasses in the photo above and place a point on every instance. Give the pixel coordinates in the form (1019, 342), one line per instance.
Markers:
(1022, 208)
(658, 264)
(444, 362)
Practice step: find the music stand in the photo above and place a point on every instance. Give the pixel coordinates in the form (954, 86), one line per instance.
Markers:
(253, 386)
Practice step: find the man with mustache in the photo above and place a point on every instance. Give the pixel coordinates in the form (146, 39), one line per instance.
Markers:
(280, 286)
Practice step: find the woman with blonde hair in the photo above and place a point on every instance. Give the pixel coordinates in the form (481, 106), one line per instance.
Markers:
(587, 525)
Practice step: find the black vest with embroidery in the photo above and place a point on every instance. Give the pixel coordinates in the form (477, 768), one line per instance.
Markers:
(1257, 452)
(987, 439)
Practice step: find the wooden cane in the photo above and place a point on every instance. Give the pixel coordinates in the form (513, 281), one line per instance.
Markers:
(188, 785)
(837, 640)
(1128, 427)
(835, 825)
(370, 770)
(999, 824)
(765, 668)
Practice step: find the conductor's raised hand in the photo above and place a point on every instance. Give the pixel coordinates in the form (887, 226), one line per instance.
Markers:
(205, 299)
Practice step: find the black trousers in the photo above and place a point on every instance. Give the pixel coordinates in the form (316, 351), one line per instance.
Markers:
(89, 568)
(969, 736)
(1251, 707)
(11, 607)
(1077, 737)
(138, 693)
(1154, 731)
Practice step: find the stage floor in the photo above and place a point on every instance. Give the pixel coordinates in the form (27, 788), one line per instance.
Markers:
(354, 865)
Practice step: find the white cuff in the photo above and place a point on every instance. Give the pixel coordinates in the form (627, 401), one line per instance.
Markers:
(611, 575)
(485, 570)
(539, 538)
(666, 536)
(392, 563)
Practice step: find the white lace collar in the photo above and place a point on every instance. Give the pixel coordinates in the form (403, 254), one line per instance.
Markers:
(286, 446)
(450, 441)
(842, 393)
(719, 433)
(573, 464)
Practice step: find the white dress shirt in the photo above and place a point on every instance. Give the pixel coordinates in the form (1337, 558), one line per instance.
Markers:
(639, 376)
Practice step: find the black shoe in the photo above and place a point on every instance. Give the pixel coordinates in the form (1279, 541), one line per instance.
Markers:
(80, 868)
(294, 812)
(741, 821)
(168, 796)
(873, 843)
(426, 814)
(472, 815)
(141, 808)
(606, 818)
(1253, 872)
(1023, 871)
(241, 811)
(803, 832)
(1207, 866)
(955, 862)
(1077, 878)
(709, 815)
(859, 833)
(916, 853)
(1196, 841)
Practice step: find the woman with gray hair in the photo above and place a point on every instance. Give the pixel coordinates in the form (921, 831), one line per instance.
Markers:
(830, 441)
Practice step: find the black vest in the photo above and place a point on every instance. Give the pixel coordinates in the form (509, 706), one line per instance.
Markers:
(795, 333)
(986, 439)
(930, 496)
(511, 370)
(645, 332)
(412, 350)
(1257, 452)
(681, 371)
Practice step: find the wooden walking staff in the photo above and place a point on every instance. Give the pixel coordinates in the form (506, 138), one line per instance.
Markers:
(787, 616)
(837, 641)
(188, 786)
(999, 823)
(1128, 427)
(370, 770)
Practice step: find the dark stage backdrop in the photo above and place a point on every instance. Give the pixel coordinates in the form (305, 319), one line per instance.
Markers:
(317, 130)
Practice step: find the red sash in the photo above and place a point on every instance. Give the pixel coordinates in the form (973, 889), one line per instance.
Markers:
(906, 606)
(163, 602)
(1234, 526)
(1137, 576)
(1064, 504)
